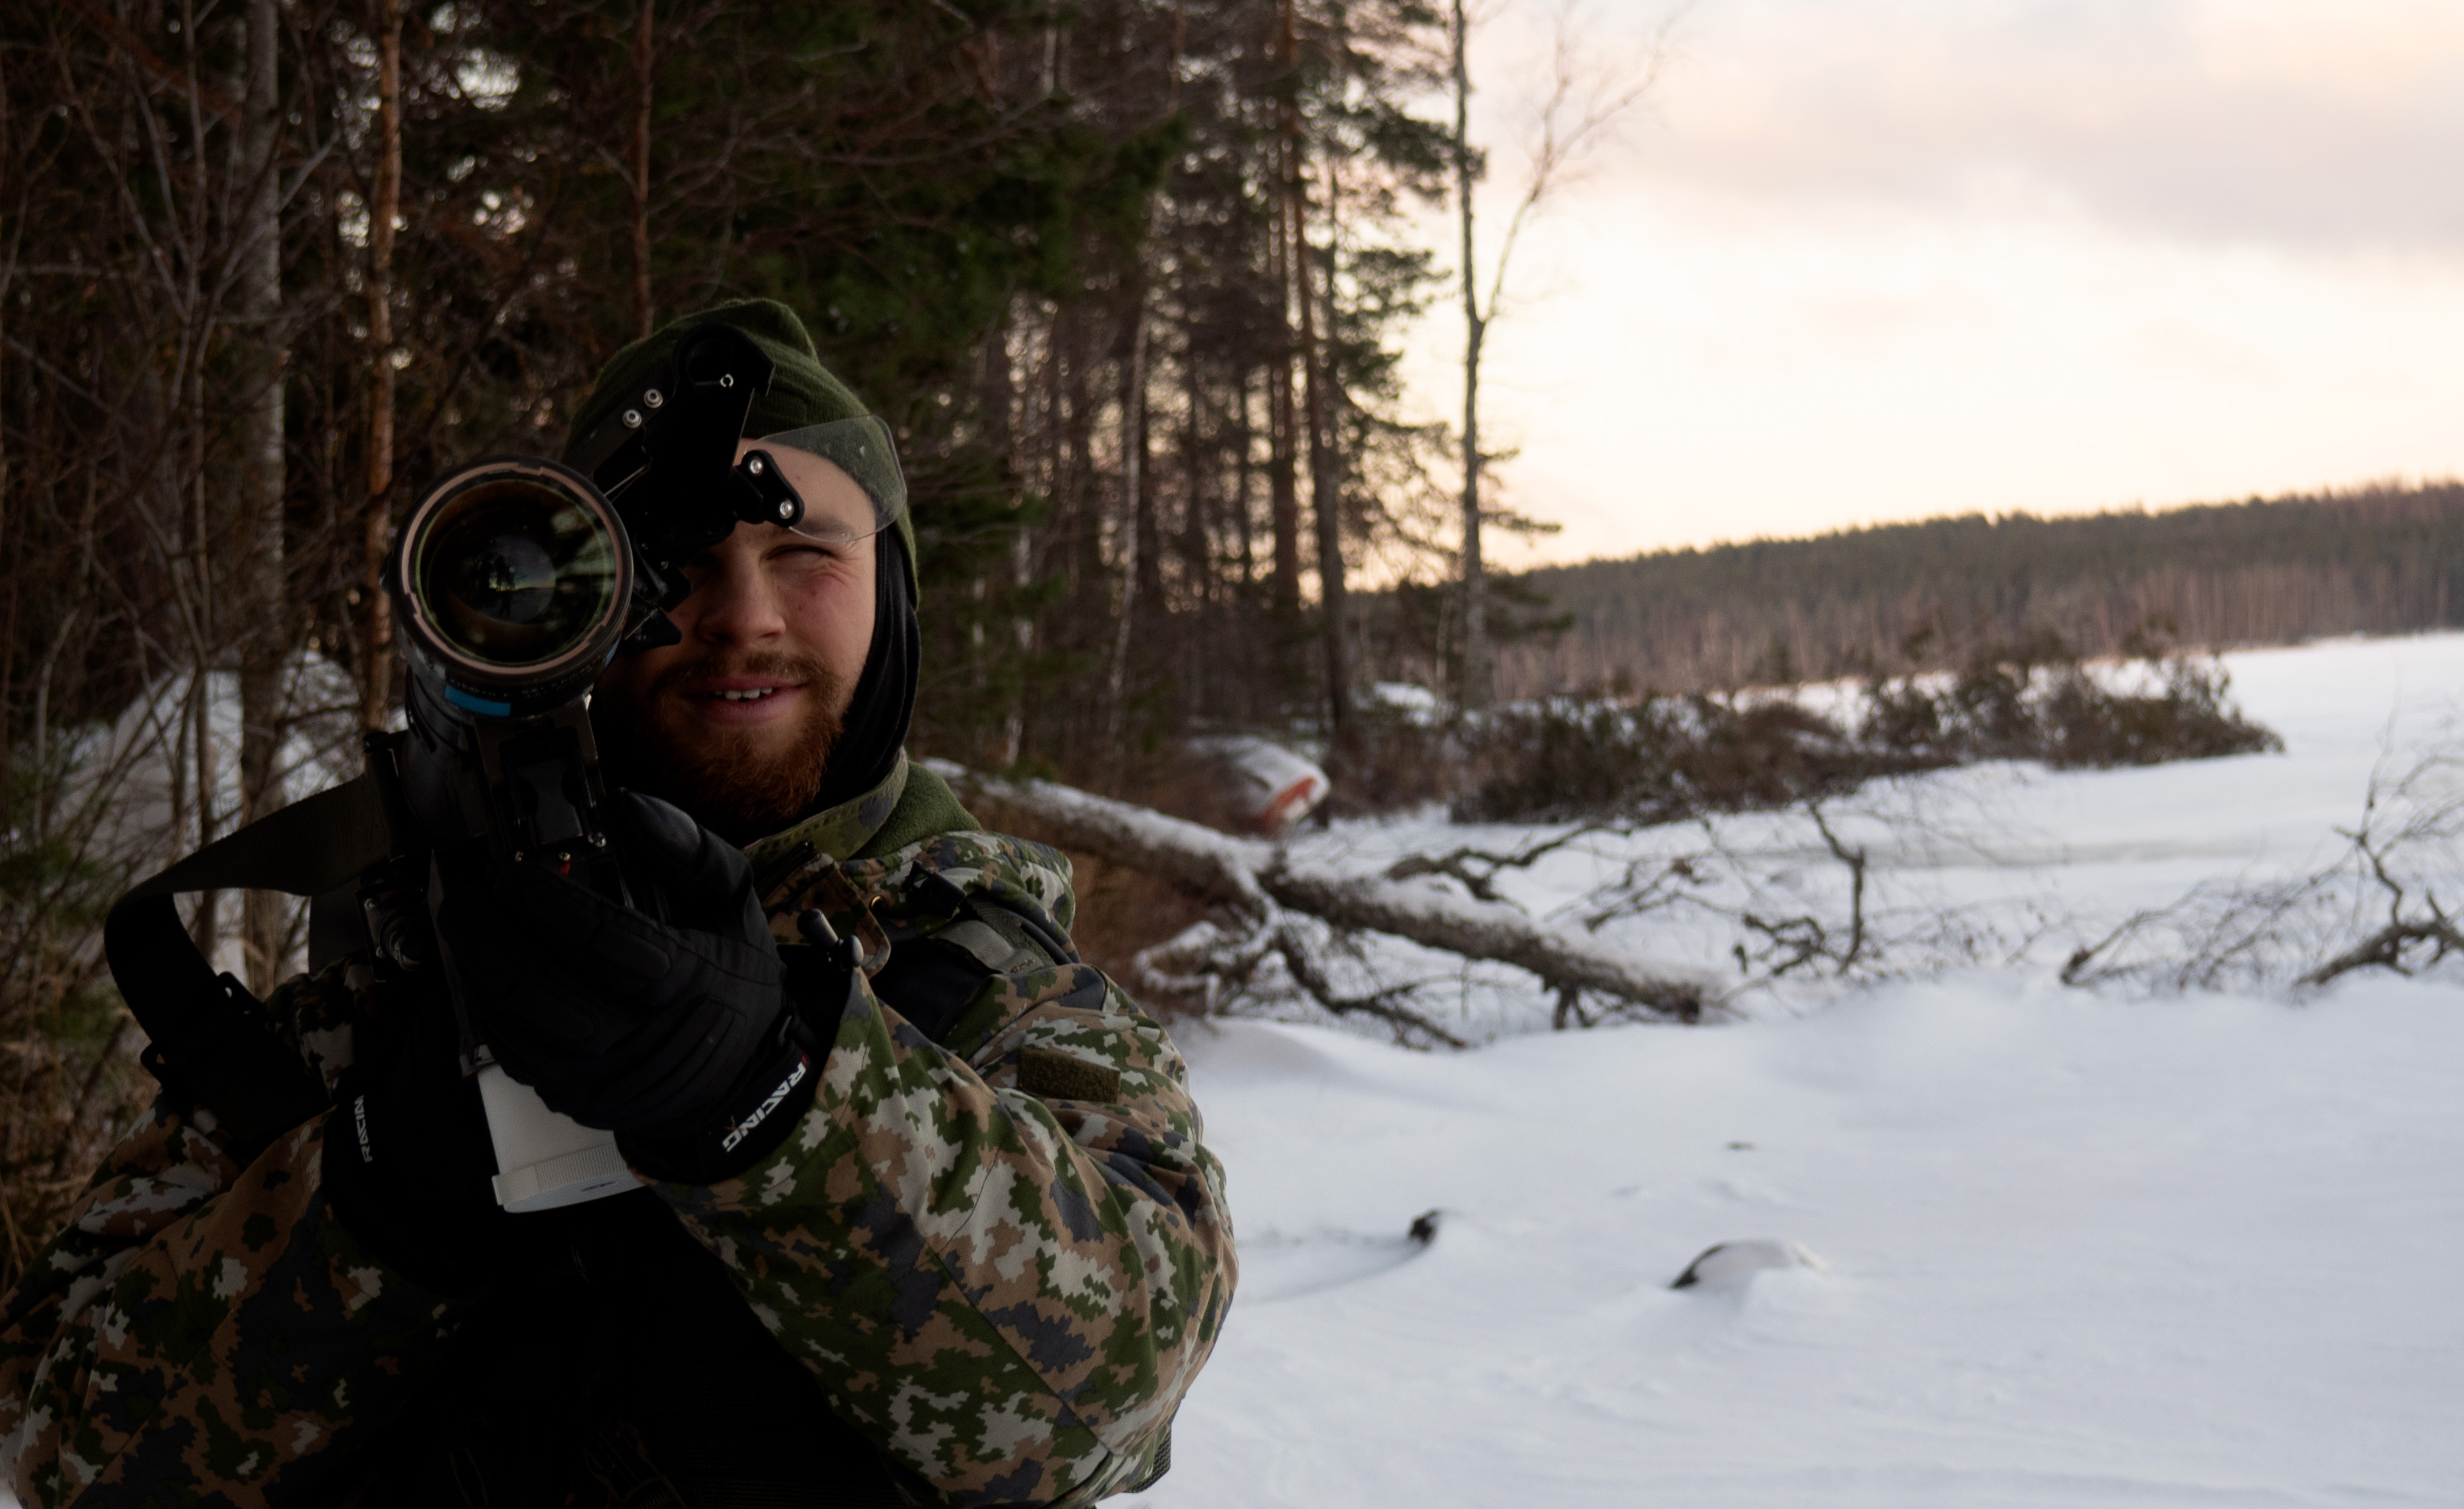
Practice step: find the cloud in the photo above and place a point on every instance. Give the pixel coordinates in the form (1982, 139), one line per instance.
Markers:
(2329, 126)
(2173, 343)
(1899, 258)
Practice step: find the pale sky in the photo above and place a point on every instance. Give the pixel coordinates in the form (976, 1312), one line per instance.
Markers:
(1882, 259)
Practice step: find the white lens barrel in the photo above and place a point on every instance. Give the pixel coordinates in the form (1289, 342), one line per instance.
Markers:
(547, 1160)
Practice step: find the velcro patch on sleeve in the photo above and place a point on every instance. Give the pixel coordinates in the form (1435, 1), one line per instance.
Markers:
(1049, 1075)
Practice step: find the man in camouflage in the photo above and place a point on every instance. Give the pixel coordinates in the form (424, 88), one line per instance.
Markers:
(974, 1255)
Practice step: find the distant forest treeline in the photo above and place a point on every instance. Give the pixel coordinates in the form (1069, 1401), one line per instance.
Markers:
(2379, 559)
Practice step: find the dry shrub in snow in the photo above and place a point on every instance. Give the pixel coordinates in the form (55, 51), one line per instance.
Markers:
(2386, 901)
(1660, 760)
(2033, 699)
(67, 1075)
(1663, 759)
(88, 809)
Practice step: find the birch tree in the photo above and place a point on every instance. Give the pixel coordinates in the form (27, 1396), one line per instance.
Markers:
(1590, 93)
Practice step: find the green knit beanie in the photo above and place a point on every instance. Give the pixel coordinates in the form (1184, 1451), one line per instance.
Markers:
(801, 392)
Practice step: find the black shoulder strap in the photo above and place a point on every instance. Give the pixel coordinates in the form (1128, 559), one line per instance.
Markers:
(210, 1036)
(945, 941)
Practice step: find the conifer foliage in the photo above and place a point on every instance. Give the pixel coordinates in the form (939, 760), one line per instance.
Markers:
(2384, 558)
(1124, 277)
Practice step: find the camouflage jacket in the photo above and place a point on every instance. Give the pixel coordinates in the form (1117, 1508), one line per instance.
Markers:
(1001, 1248)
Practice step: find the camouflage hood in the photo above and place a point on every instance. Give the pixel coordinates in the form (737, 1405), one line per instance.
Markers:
(872, 749)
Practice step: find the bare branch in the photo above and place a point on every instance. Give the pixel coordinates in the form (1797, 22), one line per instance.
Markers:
(2380, 887)
(1482, 884)
(1855, 860)
(1385, 1005)
(1588, 99)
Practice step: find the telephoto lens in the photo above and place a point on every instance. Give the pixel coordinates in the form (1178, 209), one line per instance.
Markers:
(515, 579)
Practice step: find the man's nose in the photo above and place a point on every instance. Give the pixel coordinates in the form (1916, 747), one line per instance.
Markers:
(740, 607)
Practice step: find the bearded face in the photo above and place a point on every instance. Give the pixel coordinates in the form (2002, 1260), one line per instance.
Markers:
(736, 723)
(740, 779)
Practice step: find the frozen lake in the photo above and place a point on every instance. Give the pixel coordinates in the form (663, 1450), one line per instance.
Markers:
(2078, 1249)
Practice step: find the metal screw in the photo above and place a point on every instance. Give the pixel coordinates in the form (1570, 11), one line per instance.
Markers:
(754, 466)
(786, 512)
(652, 398)
(632, 419)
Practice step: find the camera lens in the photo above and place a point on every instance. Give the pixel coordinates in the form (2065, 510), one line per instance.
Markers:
(516, 574)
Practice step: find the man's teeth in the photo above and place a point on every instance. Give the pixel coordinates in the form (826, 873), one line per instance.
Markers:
(748, 696)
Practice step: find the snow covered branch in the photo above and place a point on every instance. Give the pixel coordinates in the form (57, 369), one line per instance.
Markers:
(1256, 883)
(1213, 865)
(1491, 929)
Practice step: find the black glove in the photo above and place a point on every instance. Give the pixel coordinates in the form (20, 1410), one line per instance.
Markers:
(676, 1035)
(407, 1161)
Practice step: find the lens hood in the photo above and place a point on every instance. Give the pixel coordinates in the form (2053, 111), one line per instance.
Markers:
(514, 577)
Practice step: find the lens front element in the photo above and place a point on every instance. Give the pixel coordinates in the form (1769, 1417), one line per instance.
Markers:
(515, 575)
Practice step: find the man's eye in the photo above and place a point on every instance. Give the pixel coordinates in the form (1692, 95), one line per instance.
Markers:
(807, 556)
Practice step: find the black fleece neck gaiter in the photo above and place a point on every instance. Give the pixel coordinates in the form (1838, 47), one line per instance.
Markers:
(884, 704)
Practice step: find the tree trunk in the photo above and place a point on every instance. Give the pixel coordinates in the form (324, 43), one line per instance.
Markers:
(1198, 513)
(1245, 474)
(1142, 497)
(376, 671)
(1475, 690)
(205, 923)
(996, 399)
(1133, 469)
(1245, 520)
(1326, 488)
(1283, 484)
(257, 310)
(7, 657)
(1200, 669)
(643, 310)
(1075, 513)
(1283, 478)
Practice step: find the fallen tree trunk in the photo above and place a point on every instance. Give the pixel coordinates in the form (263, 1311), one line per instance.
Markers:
(1252, 879)
(1214, 866)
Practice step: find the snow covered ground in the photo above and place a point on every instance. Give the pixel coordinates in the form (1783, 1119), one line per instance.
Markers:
(2078, 1249)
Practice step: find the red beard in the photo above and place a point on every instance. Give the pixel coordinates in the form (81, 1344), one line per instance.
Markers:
(739, 783)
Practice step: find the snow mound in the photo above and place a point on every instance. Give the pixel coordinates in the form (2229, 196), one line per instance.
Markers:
(1728, 1265)
(2180, 1253)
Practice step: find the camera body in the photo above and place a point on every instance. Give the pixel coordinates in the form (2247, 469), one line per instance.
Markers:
(515, 579)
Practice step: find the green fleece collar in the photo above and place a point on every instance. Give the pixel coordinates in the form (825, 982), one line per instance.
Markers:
(926, 810)
(910, 805)
(839, 832)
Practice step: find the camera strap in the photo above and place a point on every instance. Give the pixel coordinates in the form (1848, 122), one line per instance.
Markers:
(211, 1040)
